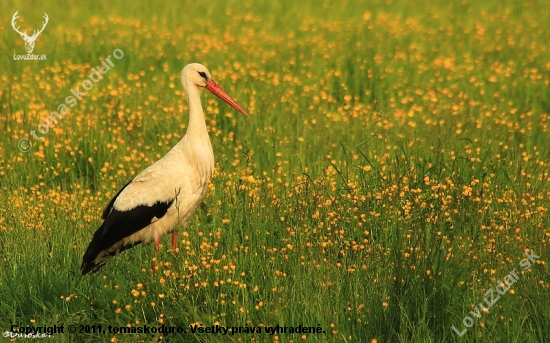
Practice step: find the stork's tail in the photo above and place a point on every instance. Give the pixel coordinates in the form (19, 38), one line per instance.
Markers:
(100, 250)
(89, 263)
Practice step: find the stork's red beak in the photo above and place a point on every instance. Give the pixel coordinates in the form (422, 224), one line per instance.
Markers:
(220, 93)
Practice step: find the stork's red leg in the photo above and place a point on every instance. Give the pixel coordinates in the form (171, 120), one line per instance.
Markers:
(174, 241)
(157, 243)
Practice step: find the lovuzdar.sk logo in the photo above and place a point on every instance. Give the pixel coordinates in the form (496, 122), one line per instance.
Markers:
(29, 40)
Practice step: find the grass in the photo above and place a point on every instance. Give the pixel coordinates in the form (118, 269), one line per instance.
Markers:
(394, 168)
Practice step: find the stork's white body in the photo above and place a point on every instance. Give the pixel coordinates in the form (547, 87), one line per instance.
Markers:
(167, 193)
(182, 175)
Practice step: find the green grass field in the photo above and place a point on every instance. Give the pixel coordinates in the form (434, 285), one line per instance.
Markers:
(393, 171)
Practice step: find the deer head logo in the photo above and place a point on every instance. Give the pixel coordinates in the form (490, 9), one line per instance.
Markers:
(29, 41)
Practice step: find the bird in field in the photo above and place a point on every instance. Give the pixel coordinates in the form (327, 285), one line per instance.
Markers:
(167, 193)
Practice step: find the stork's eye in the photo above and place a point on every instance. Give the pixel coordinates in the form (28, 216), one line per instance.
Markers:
(202, 74)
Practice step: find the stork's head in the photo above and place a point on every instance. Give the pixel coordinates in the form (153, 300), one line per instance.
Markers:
(197, 74)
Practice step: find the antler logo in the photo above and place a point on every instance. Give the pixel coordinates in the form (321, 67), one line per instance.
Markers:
(29, 41)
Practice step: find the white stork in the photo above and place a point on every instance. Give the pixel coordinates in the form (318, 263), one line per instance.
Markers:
(167, 192)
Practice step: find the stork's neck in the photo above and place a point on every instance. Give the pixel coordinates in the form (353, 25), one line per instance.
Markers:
(196, 142)
(197, 125)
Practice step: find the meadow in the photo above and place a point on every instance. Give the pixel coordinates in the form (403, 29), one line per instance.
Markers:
(393, 171)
